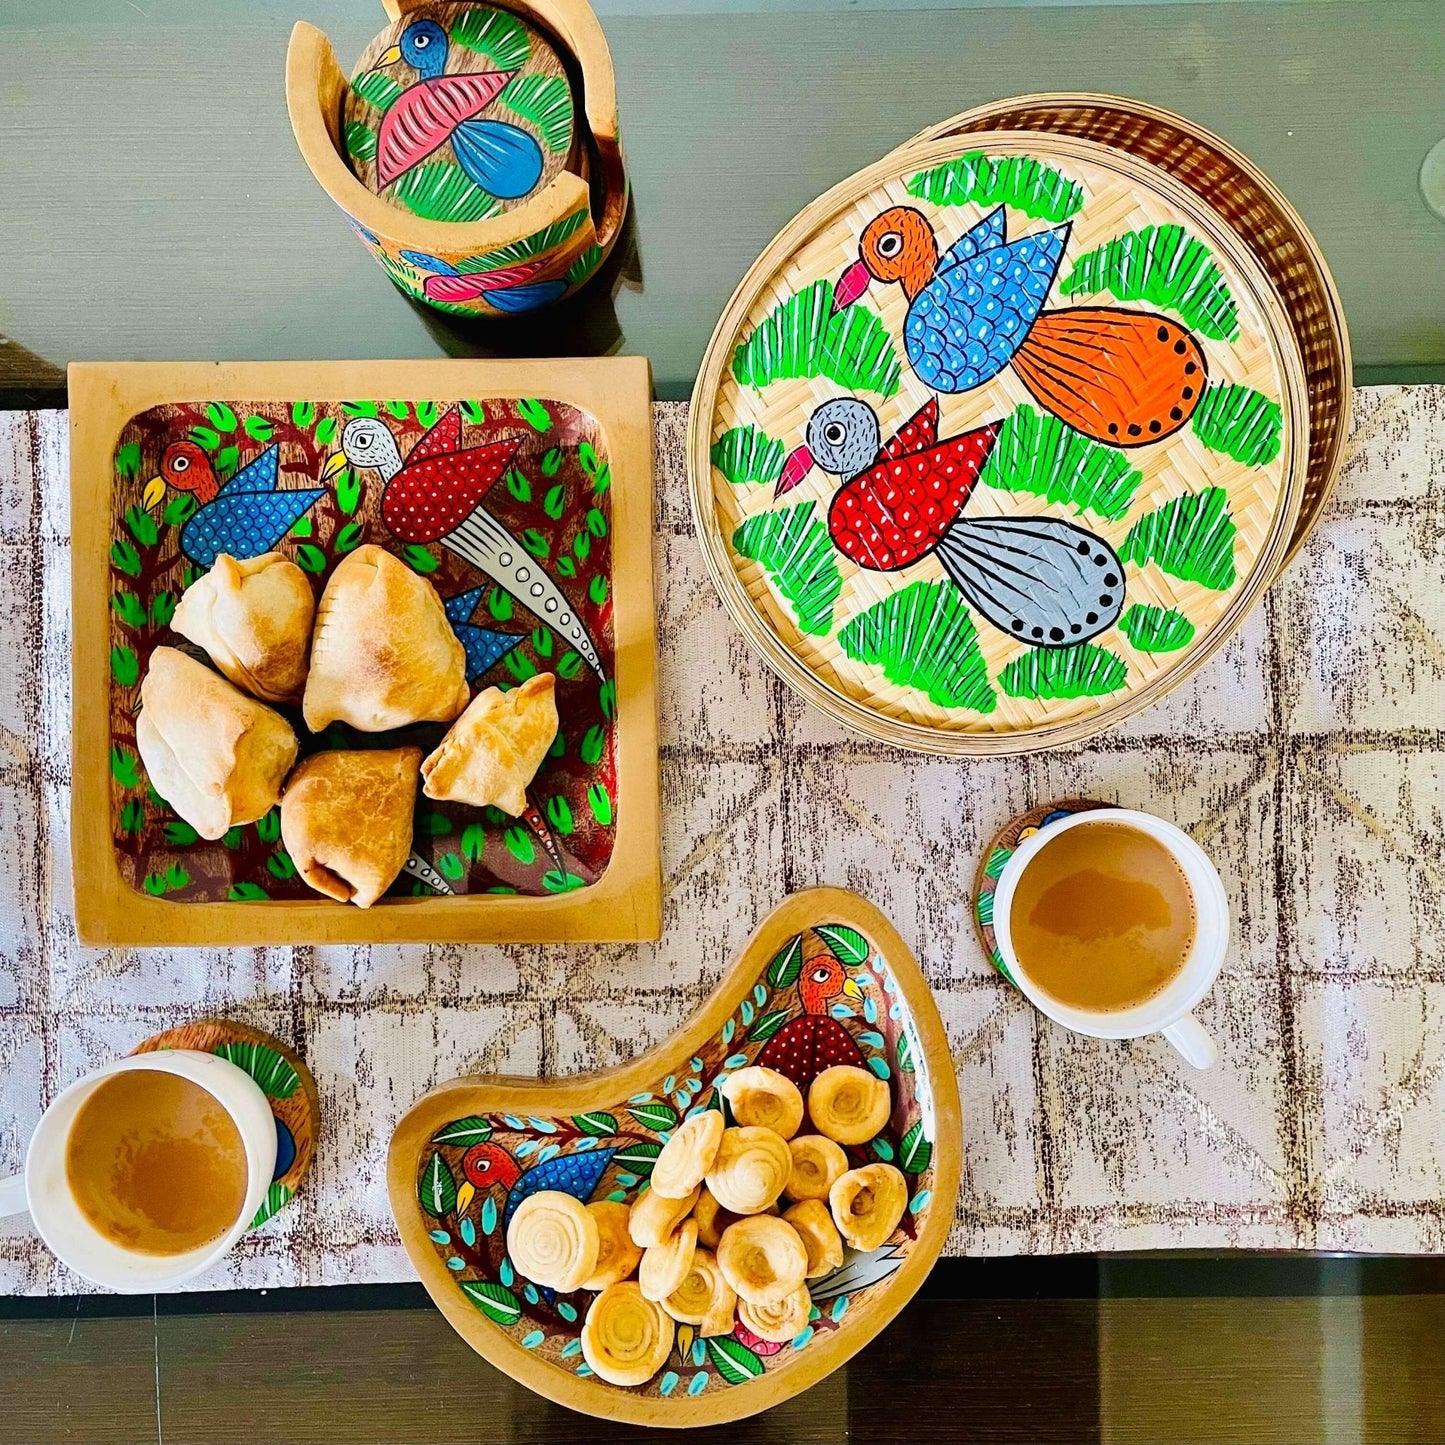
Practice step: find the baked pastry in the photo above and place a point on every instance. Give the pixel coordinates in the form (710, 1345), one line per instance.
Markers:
(867, 1204)
(848, 1104)
(750, 1170)
(765, 1098)
(383, 654)
(688, 1155)
(780, 1321)
(553, 1240)
(762, 1258)
(253, 617)
(346, 820)
(215, 755)
(817, 1162)
(617, 1256)
(495, 748)
(821, 1240)
(626, 1337)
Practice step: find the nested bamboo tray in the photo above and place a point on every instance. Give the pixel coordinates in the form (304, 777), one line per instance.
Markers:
(1201, 516)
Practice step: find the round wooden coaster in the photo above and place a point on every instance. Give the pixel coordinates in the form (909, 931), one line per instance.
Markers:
(401, 132)
(289, 1087)
(1000, 850)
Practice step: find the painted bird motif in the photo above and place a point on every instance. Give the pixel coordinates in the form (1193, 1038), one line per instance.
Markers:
(504, 160)
(507, 288)
(815, 1040)
(488, 1167)
(1122, 377)
(1042, 580)
(436, 495)
(244, 517)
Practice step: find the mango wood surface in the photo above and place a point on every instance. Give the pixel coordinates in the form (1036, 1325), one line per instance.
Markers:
(480, 1095)
(625, 904)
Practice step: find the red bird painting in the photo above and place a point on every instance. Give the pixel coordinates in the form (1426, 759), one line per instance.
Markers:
(815, 1040)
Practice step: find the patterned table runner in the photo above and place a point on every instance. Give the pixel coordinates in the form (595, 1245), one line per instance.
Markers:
(1308, 759)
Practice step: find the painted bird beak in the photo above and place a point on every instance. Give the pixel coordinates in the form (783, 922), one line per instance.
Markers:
(334, 464)
(851, 285)
(155, 490)
(852, 989)
(799, 463)
(388, 57)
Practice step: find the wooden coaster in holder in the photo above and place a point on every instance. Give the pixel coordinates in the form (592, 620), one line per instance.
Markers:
(1000, 849)
(287, 1083)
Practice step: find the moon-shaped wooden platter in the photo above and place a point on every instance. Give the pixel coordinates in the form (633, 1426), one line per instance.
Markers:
(998, 442)
(597, 1135)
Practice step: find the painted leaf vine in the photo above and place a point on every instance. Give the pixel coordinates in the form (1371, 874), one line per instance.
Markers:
(748, 454)
(1043, 455)
(1191, 538)
(1026, 184)
(1156, 629)
(1083, 670)
(792, 547)
(1240, 422)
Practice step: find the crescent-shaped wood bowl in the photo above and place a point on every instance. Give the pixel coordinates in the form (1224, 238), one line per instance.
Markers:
(596, 1135)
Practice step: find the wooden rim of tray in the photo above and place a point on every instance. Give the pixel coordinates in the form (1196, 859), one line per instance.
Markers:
(1234, 187)
(826, 210)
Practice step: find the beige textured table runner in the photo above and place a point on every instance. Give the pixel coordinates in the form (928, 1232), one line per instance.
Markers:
(1308, 759)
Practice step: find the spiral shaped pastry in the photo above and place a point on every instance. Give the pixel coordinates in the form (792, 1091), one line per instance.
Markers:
(711, 1218)
(780, 1322)
(867, 1204)
(704, 1298)
(762, 1258)
(766, 1098)
(817, 1162)
(665, 1266)
(617, 1256)
(821, 1240)
(750, 1170)
(688, 1155)
(654, 1216)
(848, 1104)
(553, 1240)
(626, 1337)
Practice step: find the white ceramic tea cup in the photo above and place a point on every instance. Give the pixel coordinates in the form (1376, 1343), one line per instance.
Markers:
(1168, 1012)
(44, 1190)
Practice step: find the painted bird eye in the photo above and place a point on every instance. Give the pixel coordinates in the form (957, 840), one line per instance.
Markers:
(834, 433)
(180, 464)
(890, 245)
(484, 1166)
(820, 975)
(422, 41)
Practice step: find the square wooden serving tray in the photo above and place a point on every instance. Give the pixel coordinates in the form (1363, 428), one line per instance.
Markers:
(263, 450)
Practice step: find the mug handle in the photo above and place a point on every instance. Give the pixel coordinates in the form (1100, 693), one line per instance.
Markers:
(1192, 1042)
(12, 1196)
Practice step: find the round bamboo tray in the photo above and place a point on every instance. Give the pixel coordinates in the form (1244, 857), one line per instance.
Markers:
(886, 647)
(1236, 189)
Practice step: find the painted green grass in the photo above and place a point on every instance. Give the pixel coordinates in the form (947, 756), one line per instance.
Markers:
(501, 37)
(528, 246)
(360, 141)
(584, 266)
(802, 338)
(793, 548)
(1059, 672)
(1018, 181)
(1241, 422)
(443, 192)
(1165, 266)
(1043, 455)
(546, 101)
(1191, 538)
(745, 454)
(377, 88)
(1156, 629)
(922, 636)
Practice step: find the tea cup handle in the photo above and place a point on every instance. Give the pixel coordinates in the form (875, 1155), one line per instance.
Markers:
(12, 1195)
(1192, 1042)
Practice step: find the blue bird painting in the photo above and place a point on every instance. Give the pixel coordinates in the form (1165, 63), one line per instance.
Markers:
(483, 646)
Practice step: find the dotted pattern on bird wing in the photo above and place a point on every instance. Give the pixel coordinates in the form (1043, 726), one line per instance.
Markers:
(964, 327)
(429, 498)
(574, 1174)
(805, 1047)
(897, 511)
(245, 524)
(919, 432)
(425, 115)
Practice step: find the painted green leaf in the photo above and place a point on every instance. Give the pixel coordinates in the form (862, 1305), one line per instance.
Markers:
(463, 1133)
(176, 877)
(555, 882)
(179, 509)
(361, 408)
(638, 1158)
(555, 502)
(745, 454)
(996, 861)
(427, 413)
(519, 486)
(1191, 538)
(127, 607)
(301, 527)
(529, 246)
(278, 1080)
(124, 766)
(519, 844)
(535, 542)
(915, 1153)
(792, 547)
(349, 538)
(437, 1188)
(1168, 268)
(582, 545)
(498, 35)
(441, 191)
(277, 1196)
(360, 141)
(142, 525)
(221, 416)
(847, 944)
(1156, 629)
(246, 893)
(583, 266)
(520, 665)
(303, 413)
(597, 590)
(922, 636)
(163, 608)
(180, 834)
(154, 884)
(598, 1123)
(499, 604)
(227, 460)
(656, 1116)
(596, 522)
(570, 666)
(803, 337)
(204, 437)
(495, 1301)
(1241, 422)
(905, 1054)
(377, 88)
(1047, 457)
(268, 826)
(535, 414)
(559, 814)
(1079, 671)
(607, 698)
(258, 429)
(767, 1025)
(132, 816)
(542, 641)
(599, 800)
(474, 841)
(310, 559)
(419, 559)
(734, 1361)
(1018, 181)
(787, 964)
(127, 461)
(125, 558)
(326, 430)
(593, 742)
(232, 837)
(546, 101)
